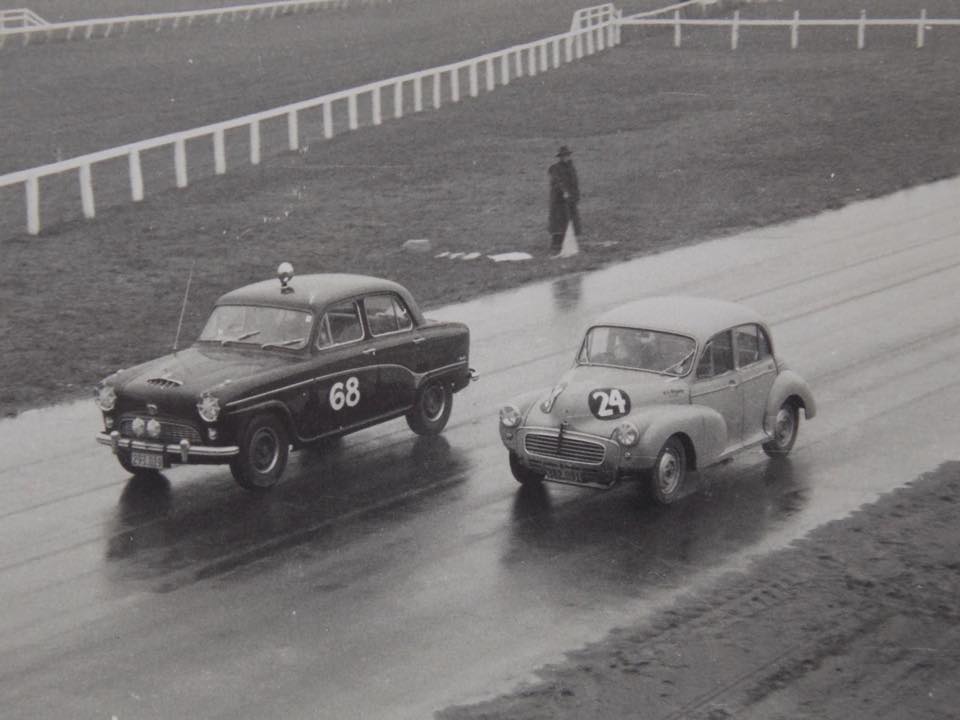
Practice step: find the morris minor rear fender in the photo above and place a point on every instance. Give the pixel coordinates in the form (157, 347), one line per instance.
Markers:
(788, 384)
(703, 426)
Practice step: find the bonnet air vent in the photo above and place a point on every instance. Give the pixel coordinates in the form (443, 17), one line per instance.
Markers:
(164, 382)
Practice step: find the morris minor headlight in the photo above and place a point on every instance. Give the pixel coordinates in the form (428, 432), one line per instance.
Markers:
(509, 416)
(153, 428)
(627, 434)
(209, 408)
(105, 396)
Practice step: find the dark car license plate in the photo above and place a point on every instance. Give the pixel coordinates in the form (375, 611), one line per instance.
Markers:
(141, 459)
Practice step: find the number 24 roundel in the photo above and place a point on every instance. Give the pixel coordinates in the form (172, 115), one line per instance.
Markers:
(609, 403)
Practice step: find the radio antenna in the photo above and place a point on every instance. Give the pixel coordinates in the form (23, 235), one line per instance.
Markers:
(186, 294)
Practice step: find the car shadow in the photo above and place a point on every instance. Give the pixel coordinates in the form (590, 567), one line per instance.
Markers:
(172, 535)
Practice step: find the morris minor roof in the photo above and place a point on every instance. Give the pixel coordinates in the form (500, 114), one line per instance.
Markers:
(697, 317)
(310, 292)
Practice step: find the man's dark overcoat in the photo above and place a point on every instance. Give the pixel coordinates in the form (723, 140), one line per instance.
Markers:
(564, 196)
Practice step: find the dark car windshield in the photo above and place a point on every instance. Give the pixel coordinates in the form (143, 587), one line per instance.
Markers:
(638, 349)
(261, 326)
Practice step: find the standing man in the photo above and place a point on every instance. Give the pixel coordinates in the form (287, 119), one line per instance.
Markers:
(564, 196)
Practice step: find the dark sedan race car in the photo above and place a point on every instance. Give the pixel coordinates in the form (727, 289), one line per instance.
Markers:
(659, 387)
(286, 363)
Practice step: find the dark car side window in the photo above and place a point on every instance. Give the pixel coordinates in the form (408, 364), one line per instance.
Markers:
(340, 324)
(752, 344)
(386, 314)
(717, 356)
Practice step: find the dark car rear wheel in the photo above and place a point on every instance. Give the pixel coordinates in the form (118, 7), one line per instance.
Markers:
(666, 478)
(432, 409)
(786, 425)
(264, 449)
(522, 474)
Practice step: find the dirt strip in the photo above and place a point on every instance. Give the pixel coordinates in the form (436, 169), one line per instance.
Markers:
(858, 620)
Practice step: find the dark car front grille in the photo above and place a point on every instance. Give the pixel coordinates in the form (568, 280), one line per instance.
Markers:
(572, 449)
(171, 431)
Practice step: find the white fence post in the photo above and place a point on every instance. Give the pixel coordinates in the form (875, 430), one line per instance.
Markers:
(455, 84)
(255, 142)
(531, 61)
(590, 45)
(544, 62)
(676, 28)
(293, 130)
(328, 119)
(398, 99)
(505, 69)
(735, 30)
(518, 63)
(219, 153)
(556, 52)
(474, 83)
(436, 90)
(418, 94)
(375, 106)
(352, 111)
(862, 30)
(921, 27)
(86, 192)
(488, 73)
(579, 44)
(795, 31)
(568, 51)
(136, 176)
(33, 204)
(180, 161)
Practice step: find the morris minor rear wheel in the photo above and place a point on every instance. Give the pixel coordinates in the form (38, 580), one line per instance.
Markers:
(264, 450)
(431, 410)
(665, 479)
(786, 425)
(522, 474)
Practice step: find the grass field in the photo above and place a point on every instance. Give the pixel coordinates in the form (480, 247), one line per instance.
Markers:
(672, 146)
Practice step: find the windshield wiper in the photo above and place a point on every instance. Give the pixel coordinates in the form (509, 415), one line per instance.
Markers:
(240, 338)
(291, 341)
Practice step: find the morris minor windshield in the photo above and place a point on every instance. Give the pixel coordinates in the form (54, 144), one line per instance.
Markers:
(264, 327)
(638, 349)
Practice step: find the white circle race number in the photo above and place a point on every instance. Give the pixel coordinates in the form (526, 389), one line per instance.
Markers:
(609, 403)
(345, 394)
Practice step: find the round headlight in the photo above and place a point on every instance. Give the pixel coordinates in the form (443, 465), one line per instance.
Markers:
(627, 434)
(509, 416)
(105, 397)
(139, 426)
(209, 408)
(153, 428)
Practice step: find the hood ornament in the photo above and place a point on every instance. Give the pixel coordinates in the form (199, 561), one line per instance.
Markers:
(547, 405)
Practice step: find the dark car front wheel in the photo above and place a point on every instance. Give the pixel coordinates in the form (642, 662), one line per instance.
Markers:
(264, 449)
(431, 410)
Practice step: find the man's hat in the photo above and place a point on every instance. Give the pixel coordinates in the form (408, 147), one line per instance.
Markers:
(564, 151)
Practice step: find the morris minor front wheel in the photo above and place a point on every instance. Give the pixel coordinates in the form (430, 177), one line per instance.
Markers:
(786, 425)
(665, 479)
(264, 449)
(431, 409)
(522, 474)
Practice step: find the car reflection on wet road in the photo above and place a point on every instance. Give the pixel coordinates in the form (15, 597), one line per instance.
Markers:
(390, 575)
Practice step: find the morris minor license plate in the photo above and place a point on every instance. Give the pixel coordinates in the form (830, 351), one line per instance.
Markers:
(566, 475)
(141, 459)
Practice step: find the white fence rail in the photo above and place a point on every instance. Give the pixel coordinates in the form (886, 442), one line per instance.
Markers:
(105, 27)
(413, 92)
(921, 25)
(18, 18)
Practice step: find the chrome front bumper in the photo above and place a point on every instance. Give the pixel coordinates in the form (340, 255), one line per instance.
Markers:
(182, 452)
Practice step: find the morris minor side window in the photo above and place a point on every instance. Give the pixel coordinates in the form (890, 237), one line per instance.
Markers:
(340, 324)
(386, 314)
(752, 344)
(717, 356)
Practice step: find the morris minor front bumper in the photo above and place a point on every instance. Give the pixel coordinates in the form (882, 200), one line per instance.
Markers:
(182, 452)
(574, 459)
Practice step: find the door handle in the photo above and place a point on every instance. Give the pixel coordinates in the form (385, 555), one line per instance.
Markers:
(418, 339)
(370, 351)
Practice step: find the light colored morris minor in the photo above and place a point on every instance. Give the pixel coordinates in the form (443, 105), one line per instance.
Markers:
(660, 387)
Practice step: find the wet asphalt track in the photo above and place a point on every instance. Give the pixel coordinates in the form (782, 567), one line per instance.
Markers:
(391, 575)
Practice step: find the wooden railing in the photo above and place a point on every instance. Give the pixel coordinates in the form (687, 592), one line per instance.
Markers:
(369, 104)
(105, 27)
(921, 24)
